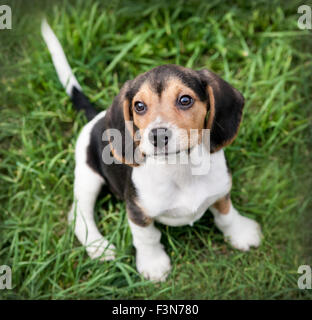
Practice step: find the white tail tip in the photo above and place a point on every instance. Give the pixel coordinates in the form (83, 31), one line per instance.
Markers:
(60, 62)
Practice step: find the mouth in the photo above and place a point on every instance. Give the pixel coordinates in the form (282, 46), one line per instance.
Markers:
(165, 152)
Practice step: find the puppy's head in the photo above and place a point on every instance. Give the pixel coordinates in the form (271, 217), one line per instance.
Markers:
(168, 103)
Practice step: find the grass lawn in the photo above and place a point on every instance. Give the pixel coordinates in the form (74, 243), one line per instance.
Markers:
(256, 46)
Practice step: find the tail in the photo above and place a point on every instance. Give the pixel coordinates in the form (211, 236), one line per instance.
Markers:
(65, 74)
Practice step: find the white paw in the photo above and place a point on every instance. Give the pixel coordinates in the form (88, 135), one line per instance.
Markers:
(101, 249)
(244, 233)
(154, 265)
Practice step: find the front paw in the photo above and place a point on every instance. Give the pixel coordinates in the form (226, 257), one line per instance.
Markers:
(153, 264)
(244, 233)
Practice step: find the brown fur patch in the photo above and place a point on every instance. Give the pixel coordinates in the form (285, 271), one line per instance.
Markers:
(120, 158)
(212, 108)
(137, 214)
(126, 113)
(223, 205)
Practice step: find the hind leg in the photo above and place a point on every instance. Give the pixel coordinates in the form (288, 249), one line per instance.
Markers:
(86, 189)
(87, 186)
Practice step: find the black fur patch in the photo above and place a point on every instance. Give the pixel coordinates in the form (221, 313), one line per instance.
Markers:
(82, 103)
(135, 213)
(117, 175)
(229, 104)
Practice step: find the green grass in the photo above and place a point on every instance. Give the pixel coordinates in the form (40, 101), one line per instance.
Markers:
(257, 47)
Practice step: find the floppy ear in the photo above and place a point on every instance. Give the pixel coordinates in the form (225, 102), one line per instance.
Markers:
(225, 113)
(119, 117)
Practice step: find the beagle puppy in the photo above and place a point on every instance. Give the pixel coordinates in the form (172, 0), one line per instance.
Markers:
(154, 163)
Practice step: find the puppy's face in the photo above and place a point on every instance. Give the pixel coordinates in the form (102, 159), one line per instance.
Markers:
(169, 107)
(165, 118)
(166, 104)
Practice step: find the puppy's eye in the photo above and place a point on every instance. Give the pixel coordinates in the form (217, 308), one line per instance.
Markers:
(185, 102)
(140, 107)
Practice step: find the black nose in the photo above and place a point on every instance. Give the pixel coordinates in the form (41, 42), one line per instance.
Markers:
(159, 137)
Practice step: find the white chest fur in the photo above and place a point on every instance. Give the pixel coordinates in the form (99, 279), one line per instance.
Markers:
(172, 194)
